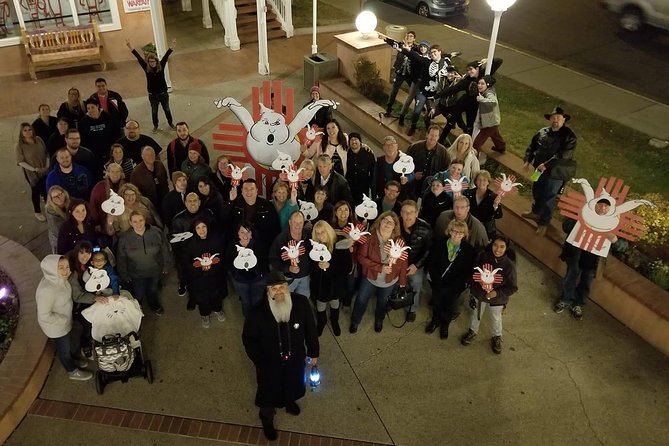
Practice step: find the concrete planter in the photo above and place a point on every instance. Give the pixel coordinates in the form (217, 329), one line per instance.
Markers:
(625, 294)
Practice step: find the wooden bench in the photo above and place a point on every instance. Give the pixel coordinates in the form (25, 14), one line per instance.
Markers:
(62, 47)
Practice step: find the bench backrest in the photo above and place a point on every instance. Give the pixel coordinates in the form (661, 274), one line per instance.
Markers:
(62, 38)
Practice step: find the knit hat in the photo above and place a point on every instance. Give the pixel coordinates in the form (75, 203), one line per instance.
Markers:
(316, 89)
(178, 174)
(451, 69)
(489, 80)
(474, 64)
(424, 43)
(355, 135)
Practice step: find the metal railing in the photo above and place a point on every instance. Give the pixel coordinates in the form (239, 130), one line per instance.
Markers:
(284, 14)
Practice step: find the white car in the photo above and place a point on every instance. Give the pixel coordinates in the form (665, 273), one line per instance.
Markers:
(634, 14)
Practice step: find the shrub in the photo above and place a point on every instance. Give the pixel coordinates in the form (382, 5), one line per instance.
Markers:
(659, 274)
(368, 79)
(656, 220)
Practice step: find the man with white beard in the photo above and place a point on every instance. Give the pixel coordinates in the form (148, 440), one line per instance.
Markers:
(279, 333)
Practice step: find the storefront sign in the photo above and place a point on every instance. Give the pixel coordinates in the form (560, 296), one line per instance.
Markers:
(136, 5)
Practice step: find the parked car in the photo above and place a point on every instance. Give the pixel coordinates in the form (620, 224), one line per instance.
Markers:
(435, 8)
(634, 14)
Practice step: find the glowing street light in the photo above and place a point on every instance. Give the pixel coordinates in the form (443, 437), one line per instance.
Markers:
(498, 7)
(365, 23)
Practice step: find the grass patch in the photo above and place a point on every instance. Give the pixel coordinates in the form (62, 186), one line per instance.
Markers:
(327, 14)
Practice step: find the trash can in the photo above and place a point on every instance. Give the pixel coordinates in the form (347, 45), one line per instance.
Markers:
(319, 66)
(396, 32)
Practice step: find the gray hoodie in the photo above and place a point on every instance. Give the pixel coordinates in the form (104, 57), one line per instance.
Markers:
(142, 256)
(54, 300)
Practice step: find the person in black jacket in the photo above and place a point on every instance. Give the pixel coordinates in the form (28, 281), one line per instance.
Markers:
(551, 146)
(156, 85)
(450, 265)
(278, 335)
(177, 149)
(401, 67)
(98, 131)
(484, 204)
(360, 167)
(220, 180)
(203, 256)
(467, 103)
(436, 201)
(335, 183)
(492, 297)
(175, 200)
(111, 102)
(134, 141)
(324, 114)
(250, 207)
(248, 278)
(45, 124)
(416, 73)
(417, 234)
(294, 239)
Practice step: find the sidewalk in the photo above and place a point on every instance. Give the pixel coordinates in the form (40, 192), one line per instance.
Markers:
(558, 380)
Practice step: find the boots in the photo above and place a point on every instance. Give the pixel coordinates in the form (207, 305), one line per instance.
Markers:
(334, 321)
(388, 112)
(268, 428)
(401, 121)
(412, 129)
(322, 320)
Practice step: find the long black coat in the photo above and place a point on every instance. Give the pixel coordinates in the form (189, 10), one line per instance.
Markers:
(280, 382)
(205, 280)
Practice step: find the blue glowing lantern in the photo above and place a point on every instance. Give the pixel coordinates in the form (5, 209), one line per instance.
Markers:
(315, 376)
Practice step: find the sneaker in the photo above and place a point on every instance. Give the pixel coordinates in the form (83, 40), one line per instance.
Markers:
(181, 290)
(387, 114)
(353, 328)
(468, 337)
(220, 315)
(541, 230)
(81, 363)
(496, 344)
(411, 316)
(577, 312)
(378, 325)
(205, 321)
(39, 217)
(530, 216)
(560, 306)
(79, 375)
(159, 311)
(173, 127)
(495, 149)
(155, 130)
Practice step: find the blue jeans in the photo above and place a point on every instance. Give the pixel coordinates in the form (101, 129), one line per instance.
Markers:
(145, 290)
(164, 100)
(250, 293)
(366, 290)
(416, 282)
(413, 90)
(421, 99)
(397, 83)
(64, 352)
(576, 291)
(300, 286)
(545, 192)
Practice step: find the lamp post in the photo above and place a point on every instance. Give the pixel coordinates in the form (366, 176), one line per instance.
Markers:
(365, 22)
(314, 46)
(498, 7)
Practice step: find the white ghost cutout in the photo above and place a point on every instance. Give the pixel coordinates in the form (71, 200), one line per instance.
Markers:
(270, 132)
(404, 164)
(181, 236)
(282, 162)
(114, 205)
(367, 209)
(96, 280)
(246, 258)
(308, 209)
(319, 252)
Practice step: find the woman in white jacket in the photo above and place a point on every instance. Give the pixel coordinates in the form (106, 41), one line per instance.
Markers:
(54, 312)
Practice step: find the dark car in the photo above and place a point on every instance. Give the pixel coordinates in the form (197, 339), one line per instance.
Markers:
(435, 8)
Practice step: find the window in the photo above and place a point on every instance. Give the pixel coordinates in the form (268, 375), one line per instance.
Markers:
(35, 14)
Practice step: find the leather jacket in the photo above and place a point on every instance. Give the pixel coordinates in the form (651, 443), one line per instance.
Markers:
(420, 242)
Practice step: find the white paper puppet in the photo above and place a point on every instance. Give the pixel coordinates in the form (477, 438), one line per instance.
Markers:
(308, 209)
(487, 276)
(396, 251)
(96, 280)
(506, 185)
(292, 176)
(282, 162)
(237, 174)
(367, 209)
(404, 164)
(319, 252)
(121, 315)
(114, 205)
(246, 258)
(206, 261)
(592, 230)
(180, 237)
(357, 233)
(456, 186)
(311, 135)
(270, 132)
(293, 252)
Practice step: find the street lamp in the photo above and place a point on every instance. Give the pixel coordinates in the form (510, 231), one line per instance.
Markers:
(498, 7)
(365, 23)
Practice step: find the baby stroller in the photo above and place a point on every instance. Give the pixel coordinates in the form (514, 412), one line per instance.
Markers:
(116, 345)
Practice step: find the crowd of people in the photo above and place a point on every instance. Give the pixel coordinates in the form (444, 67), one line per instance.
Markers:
(189, 215)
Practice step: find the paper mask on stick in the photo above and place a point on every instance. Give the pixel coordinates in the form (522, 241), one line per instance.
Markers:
(319, 252)
(487, 277)
(356, 233)
(114, 205)
(237, 174)
(206, 261)
(246, 258)
(180, 237)
(292, 176)
(456, 186)
(308, 209)
(96, 280)
(282, 162)
(396, 251)
(367, 209)
(404, 164)
(506, 185)
(293, 252)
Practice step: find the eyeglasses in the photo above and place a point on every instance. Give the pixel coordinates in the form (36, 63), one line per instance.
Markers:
(57, 196)
(456, 232)
(388, 221)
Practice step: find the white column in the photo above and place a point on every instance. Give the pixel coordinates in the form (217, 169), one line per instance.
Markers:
(186, 6)
(263, 57)
(206, 15)
(231, 38)
(158, 22)
(314, 46)
(493, 40)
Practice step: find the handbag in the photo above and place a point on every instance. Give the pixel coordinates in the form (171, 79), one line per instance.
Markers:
(400, 298)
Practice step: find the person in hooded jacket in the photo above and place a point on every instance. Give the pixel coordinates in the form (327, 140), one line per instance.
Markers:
(203, 257)
(498, 254)
(54, 313)
(488, 116)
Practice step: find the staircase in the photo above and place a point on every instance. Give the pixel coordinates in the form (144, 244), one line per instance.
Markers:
(247, 22)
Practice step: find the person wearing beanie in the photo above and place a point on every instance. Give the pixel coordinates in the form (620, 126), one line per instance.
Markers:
(177, 149)
(360, 164)
(401, 67)
(173, 202)
(488, 117)
(324, 114)
(467, 103)
(195, 166)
